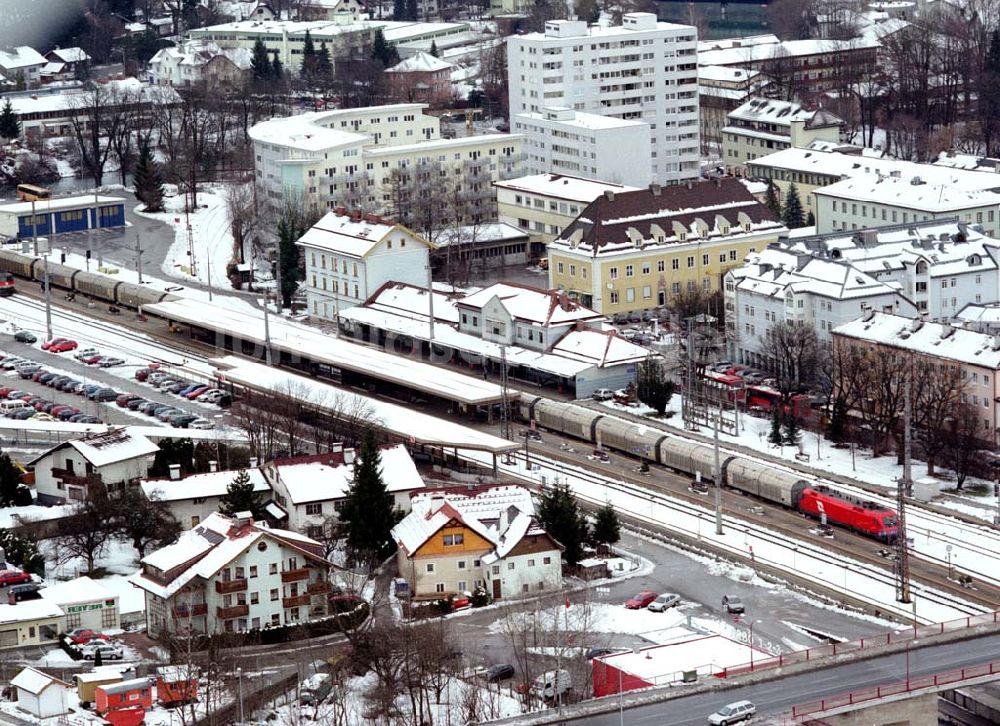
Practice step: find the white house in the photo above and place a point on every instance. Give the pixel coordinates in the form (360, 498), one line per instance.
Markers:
(200, 62)
(86, 604)
(193, 498)
(641, 69)
(311, 489)
(22, 64)
(762, 126)
(231, 574)
(348, 257)
(41, 695)
(461, 538)
(559, 140)
(111, 459)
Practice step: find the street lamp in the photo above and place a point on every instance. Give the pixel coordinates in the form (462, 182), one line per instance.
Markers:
(951, 570)
(751, 641)
(239, 677)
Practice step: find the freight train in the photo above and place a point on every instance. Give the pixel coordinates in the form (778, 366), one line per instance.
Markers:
(689, 457)
(91, 284)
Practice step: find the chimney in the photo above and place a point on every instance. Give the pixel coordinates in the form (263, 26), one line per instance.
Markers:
(253, 462)
(213, 466)
(609, 195)
(690, 185)
(996, 341)
(655, 189)
(175, 471)
(869, 315)
(916, 325)
(946, 330)
(340, 211)
(242, 519)
(503, 523)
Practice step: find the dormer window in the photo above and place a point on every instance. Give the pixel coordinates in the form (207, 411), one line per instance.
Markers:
(921, 268)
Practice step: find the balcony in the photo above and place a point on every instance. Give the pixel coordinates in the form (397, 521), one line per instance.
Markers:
(236, 611)
(224, 587)
(301, 573)
(69, 477)
(318, 587)
(183, 610)
(296, 601)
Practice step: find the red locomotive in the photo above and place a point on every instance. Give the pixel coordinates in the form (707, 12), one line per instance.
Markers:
(863, 516)
(7, 286)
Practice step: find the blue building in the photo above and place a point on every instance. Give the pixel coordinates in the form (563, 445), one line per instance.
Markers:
(61, 215)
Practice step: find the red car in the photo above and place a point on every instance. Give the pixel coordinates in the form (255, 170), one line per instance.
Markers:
(92, 359)
(80, 636)
(638, 602)
(5, 390)
(123, 399)
(49, 343)
(13, 577)
(61, 345)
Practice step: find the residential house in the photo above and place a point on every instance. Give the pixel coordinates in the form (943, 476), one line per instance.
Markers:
(232, 574)
(197, 63)
(421, 78)
(22, 65)
(64, 64)
(762, 126)
(39, 694)
(236, 10)
(634, 250)
(614, 71)
(456, 540)
(330, 10)
(545, 204)
(310, 490)
(68, 470)
(86, 603)
(193, 498)
(349, 256)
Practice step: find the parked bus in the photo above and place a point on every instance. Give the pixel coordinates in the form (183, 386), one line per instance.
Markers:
(32, 193)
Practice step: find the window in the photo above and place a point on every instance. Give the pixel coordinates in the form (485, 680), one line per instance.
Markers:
(430, 567)
(628, 270)
(274, 594)
(531, 563)
(614, 297)
(254, 598)
(73, 620)
(546, 560)
(453, 539)
(496, 569)
(315, 508)
(439, 587)
(510, 565)
(613, 272)
(661, 266)
(675, 264)
(461, 564)
(273, 568)
(690, 261)
(275, 619)
(463, 585)
(704, 259)
(108, 619)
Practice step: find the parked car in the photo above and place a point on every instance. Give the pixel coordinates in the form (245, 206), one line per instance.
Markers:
(124, 399)
(13, 577)
(602, 394)
(62, 346)
(26, 591)
(67, 413)
(499, 672)
(27, 370)
(135, 403)
(86, 353)
(142, 374)
(733, 712)
(315, 689)
(732, 604)
(201, 423)
(108, 651)
(104, 394)
(49, 343)
(168, 413)
(664, 602)
(193, 395)
(111, 361)
(640, 600)
(79, 636)
(551, 684)
(23, 336)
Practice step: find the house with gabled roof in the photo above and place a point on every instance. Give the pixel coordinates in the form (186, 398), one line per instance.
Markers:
(22, 64)
(232, 574)
(39, 694)
(457, 539)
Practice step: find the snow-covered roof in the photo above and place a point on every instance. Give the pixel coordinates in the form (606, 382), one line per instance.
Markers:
(742, 41)
(560, 186)
(352, 236)
(34, 681)
(420, 62)
(23, 56)
(329, 477)
(577, 119)
(760, 53)
(304, 131)
(925, 338)
(110, 447)
(909, 194)
(531, 304)
(725, 74)
(479, 234)
(782, 113)
(970, 162)
(979, 313)
(209, 484)
(57, 203)
(66, 99)
(28, 610)
(52, 68)
(71, 592)
(599, 348)
(71, 55)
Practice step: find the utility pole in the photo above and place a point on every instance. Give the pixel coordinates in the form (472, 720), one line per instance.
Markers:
(267, 332)
(688, 381)
(430, 301)
(138, 258)
(718, 483)
(504, 400)
(902, 489)
(208, 273)
(190, 236)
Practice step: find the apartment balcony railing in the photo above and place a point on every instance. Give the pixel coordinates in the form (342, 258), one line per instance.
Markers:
(224, 587)
(236, 611)
(183, 610)
(320, 586)
(296, 601)
(301, 573)
(68, 477)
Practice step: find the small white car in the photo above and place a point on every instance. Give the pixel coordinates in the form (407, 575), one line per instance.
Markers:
(602, 394)
(732, 713)
(664, 602)
(201, 423)
(109, 651)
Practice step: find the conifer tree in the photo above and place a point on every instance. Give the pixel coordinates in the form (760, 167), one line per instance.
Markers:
(289, 232)
(308, 57)
(561, 516)
(810, 219)
(607, 528)
(434, 49)
(368, 513)
(652, 386)
(383, 51)
(147, 181)
(792, 217)
(277, 71)
(324, 67)
(775, 436)
(411, 10)
(260, 62)
(791, 429)
(241, 497)
(399, 10)
(10, 126)
(771, 200)
(837, 420)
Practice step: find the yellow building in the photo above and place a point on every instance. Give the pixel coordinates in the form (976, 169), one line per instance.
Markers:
(635, 250)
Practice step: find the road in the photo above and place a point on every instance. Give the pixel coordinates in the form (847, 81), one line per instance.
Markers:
(780, 695)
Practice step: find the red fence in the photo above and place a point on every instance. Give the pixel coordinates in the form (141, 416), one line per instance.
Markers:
(917, 683)
(853, 646)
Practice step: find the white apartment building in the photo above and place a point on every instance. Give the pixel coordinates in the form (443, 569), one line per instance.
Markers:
(193, 498)
(363, 157)
(560, 140)
(640, 70)
(545, 204)
(868, 201)
(231, 574)
(348, 257)
(762, 126)
(22, 64)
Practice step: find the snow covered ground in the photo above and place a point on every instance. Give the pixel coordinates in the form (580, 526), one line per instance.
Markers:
(118, 558)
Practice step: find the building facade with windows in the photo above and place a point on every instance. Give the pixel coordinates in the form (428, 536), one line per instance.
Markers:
(762, 126)
(720, 90)
(545, 204)
(633, 251)
(193, 498)
(232, 574)
(641, 70)
(457, 540)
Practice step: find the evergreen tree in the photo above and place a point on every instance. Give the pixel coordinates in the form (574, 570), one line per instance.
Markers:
(411, 10)
(324, 67)
(775, 436)
(399, 10)
(434, 49)
(10, 126)
(147, 181)
(12, 490)
(771, 200)
(22, 551)
(289, 233)
(383, 51)
(172, 451)
(792, 216)
(838, 418)
(241, 497)
(810, 219)
(607, 528)
(277, 71)
(561, 516)
(791, 429)
(368, 514)
(308, 57)
(652, 386)
(260, 62)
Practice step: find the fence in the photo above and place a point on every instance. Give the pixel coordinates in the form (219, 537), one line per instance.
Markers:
(917, 683)
(252, 701)
(854, 646)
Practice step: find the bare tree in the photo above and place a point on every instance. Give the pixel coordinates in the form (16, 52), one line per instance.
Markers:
(792, 351)
(874, 379)
(94, 120)
(241, 204)
(935, 393)
(254, 416)
(963, 442)
(86, 531)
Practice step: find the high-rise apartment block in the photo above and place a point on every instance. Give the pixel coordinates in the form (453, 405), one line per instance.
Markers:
(640, 70)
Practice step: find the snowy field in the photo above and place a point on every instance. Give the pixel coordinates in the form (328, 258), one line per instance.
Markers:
(118, 558)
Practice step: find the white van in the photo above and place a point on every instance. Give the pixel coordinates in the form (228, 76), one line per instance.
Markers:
(733, 712)
(8, 408)
(551, 684)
